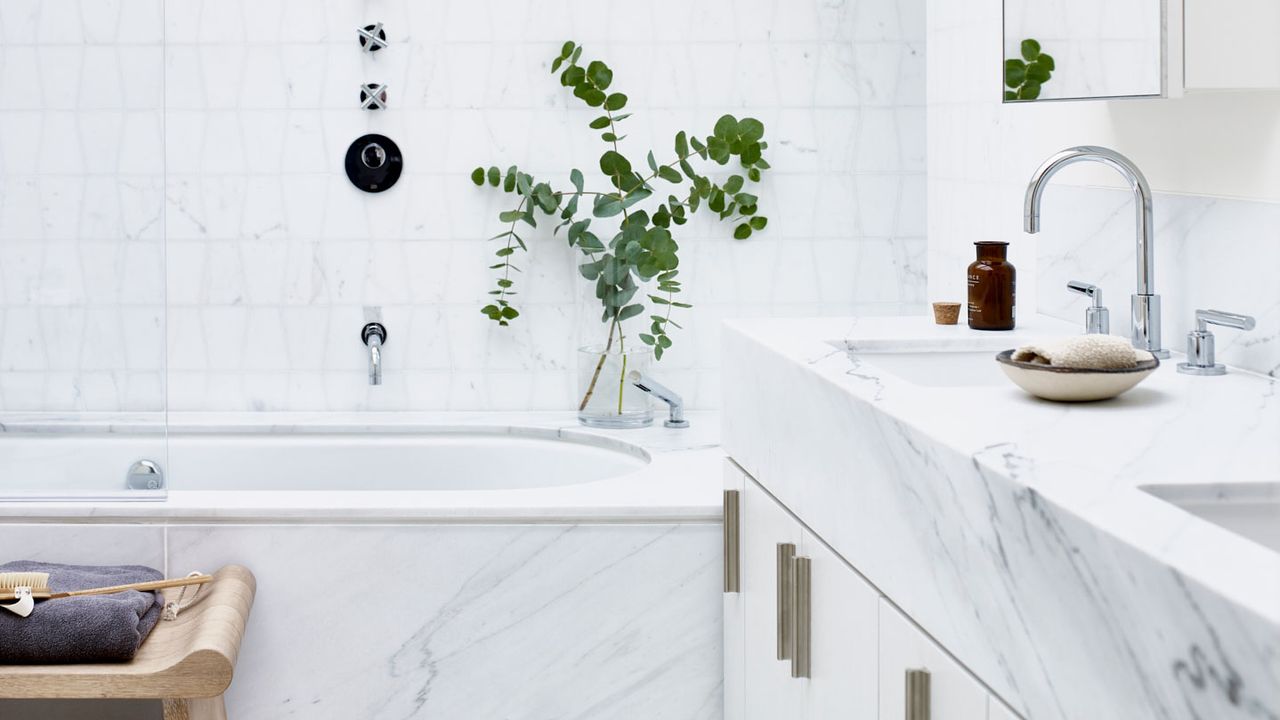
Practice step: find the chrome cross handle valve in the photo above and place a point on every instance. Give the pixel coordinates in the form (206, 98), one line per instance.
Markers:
(1097, 319)
(372, 38)
(1200, 350)
(373, 96)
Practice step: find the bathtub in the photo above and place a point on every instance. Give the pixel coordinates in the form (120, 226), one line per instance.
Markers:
(414, 565)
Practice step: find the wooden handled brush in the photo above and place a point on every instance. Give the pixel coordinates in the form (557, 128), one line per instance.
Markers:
(27, 587)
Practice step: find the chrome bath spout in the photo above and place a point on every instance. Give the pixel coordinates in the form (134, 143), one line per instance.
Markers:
(374, 335)
(1145, 302)
(675, 403)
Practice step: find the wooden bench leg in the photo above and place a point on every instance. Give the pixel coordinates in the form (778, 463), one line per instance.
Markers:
(199, 709)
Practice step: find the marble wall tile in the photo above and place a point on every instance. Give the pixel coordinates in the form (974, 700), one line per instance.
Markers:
(171, 187)
(501, 621)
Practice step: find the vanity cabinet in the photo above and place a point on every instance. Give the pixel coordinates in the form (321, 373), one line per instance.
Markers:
(954, 693)
(807, 637)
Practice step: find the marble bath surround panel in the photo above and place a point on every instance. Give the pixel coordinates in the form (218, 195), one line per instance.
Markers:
(446, 620)
(1054, 581)
(176, 225)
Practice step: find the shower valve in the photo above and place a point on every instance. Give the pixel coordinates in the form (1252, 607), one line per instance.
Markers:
(373, 38)
(373, 96)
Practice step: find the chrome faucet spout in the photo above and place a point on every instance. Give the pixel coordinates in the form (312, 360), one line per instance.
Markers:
(675, 403)
(1145, 302)
(374, 335)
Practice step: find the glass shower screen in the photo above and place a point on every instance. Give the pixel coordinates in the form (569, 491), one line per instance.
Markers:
(82, 250)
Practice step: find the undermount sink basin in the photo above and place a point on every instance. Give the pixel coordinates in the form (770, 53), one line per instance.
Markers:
(1250, 510)
(937, 368)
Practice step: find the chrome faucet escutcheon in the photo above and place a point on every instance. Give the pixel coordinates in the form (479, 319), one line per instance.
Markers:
(374, 336)
(1145, 303)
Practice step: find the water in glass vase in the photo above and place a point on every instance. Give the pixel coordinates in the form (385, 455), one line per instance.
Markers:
(606, 399)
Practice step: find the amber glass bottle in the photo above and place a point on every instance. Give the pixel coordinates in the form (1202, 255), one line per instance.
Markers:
(992, 288)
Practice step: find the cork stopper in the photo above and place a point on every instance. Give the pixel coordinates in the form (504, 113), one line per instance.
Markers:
(946, 313)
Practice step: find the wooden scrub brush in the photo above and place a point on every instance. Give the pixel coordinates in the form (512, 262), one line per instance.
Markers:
(24, 588)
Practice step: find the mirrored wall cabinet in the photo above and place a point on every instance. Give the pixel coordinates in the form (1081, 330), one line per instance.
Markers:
(1091, 49)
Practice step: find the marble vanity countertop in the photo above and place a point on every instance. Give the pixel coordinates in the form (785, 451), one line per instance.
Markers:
(1014, 529)
(680, 482)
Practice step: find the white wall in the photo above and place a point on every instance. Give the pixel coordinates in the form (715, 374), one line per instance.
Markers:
(1213, 158)
(273, 261)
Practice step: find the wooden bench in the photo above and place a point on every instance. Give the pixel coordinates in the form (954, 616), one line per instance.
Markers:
(187, 663)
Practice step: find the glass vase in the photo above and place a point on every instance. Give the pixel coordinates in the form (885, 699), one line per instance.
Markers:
(606, 396)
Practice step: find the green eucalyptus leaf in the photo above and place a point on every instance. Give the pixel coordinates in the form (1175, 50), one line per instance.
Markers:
(615, 101)
(1030, 49)
(1015, 72)
(599, 74)
(726, 127)
(669, 174)
(477, 176)
(495, 176)
(600, 123)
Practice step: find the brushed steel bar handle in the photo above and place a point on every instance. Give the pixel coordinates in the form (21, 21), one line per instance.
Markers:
(786, 557)
(802, 614)
(918, 695)
(732, 535)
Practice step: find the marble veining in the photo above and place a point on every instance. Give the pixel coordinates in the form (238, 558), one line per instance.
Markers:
(1013, 530)
(485, 622)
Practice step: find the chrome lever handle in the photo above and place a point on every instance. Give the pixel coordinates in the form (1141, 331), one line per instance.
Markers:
(1201, 352)
(1097, 319)
(1205, 318)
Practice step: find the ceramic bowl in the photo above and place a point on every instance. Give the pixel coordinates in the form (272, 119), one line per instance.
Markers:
(1073, 384)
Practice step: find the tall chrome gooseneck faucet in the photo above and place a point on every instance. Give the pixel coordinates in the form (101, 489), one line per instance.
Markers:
(1145, 303)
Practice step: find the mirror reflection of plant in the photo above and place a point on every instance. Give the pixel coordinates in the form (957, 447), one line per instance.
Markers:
(1024, 77)
(642, 253)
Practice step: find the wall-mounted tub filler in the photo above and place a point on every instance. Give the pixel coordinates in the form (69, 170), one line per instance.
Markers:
(675, 403)
(1146, 304)
(1097, 318)
(1200, 352)
(374, 336)
(144, 475)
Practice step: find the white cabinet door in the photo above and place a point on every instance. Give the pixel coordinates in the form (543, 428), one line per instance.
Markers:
(734, 608)
(771, 692)
(844, 629)
(954, 693)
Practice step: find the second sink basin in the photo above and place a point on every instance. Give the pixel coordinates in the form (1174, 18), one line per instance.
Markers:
(936, 368)
(1250, 510)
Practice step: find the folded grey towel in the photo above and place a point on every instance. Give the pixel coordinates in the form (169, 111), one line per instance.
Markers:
(96, 628)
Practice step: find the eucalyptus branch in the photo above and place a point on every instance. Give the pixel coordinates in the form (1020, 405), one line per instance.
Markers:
(641, 253)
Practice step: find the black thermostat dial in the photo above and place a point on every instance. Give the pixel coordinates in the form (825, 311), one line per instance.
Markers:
(374, 163)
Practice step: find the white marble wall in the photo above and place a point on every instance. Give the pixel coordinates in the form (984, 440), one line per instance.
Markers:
(493, 622)
(240, 112)
(1211, 251)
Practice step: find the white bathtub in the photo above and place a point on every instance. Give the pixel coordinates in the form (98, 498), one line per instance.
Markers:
(522, 566)
(368, 465)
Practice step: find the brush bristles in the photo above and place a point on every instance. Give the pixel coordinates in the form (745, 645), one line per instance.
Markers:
(35, 580)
